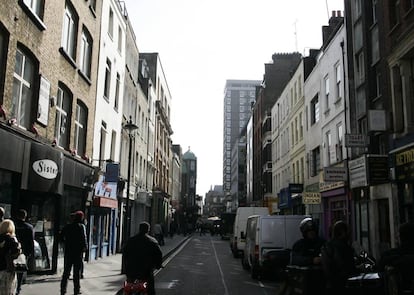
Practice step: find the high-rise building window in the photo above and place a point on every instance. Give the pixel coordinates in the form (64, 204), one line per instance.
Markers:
(23, 85)
(81, 121)
(62, 120)
(70, 31)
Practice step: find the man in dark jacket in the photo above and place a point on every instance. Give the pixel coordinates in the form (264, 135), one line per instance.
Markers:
(338, 259)
(74, 237)
(25, 235)
(142, 255)
(307, 251)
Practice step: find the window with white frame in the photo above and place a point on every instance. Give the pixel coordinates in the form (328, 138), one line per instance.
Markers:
(315, 161)
(117, 88)
(36, 7)
(111, 23)
(327, 93)
(360, 67)
(338, 73)
(107, 87)
(119, 39)
(85, 53)
(4, 36)
(62, 120)
(340, 140)
(113, 144)
(23, 86)
(328, 148)
(70, 31)
(315, 110)
(81, 120)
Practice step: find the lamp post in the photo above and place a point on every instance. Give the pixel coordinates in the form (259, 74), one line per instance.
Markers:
(130, 128)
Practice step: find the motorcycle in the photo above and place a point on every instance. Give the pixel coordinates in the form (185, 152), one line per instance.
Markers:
(137, 287)
(368, 281)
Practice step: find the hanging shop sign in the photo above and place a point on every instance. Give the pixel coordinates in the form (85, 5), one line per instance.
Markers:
(368, 170)
(404, 165)
(311, 198)
(44, 170)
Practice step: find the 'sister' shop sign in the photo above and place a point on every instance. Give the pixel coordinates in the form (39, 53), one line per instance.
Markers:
(404, 165)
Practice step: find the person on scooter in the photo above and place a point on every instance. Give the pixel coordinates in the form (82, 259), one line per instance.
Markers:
(338, 259)
(306, 253)
(142, 255)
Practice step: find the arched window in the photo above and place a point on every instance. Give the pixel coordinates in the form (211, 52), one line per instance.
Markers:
(23, 86)
(81, 122)
(63, 115)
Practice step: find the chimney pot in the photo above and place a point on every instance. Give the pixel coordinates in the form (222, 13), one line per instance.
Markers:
(338, 13)
(333, 13)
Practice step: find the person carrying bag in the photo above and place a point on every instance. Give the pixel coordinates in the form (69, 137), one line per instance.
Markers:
(9, 251)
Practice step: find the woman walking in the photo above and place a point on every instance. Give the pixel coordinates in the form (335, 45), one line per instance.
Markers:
(9, 250)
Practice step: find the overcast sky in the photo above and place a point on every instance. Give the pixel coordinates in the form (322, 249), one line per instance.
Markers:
(203, 43)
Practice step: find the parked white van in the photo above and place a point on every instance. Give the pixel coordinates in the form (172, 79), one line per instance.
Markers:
(236, 240)
(269, 241)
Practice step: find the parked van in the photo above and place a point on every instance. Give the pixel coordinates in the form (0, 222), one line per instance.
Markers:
(236, 240)
(269, 240)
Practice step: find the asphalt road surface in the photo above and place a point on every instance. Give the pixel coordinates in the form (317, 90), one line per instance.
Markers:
(204, 265)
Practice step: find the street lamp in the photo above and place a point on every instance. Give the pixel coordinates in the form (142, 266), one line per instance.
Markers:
(129, 127)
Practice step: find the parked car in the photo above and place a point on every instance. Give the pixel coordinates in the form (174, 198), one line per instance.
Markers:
(269, 240)
(236, 240)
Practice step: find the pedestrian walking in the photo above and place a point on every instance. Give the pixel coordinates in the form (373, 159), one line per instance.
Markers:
(73, 236)
(338, 259)
(25, 235)
(142, 255)
(159, 234)
(9, 250)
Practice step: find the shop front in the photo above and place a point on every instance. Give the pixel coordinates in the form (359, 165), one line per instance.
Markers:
(370, 202)
(40, 179)
(403, 177)
(290, 199)
(103, 219)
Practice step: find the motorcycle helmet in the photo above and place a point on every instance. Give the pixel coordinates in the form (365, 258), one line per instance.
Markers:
(306, 225)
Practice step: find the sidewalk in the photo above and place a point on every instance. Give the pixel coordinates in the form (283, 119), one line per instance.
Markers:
(102, 276)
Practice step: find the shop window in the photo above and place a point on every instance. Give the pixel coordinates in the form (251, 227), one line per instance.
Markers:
(62, 123)
(23, 86)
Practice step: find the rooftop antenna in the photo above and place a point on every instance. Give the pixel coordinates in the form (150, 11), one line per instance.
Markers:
(327, 9)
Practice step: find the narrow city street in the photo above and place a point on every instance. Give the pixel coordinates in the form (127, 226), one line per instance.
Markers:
(205, 265)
